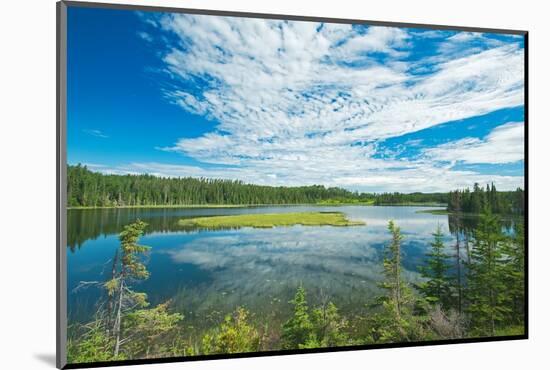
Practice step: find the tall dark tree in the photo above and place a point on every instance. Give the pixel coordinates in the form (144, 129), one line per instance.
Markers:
(299, 328)
(397, 322)
(513, 274)
(437, 287)
(487, 291)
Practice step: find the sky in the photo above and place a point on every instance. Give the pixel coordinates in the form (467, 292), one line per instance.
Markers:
(272, 102)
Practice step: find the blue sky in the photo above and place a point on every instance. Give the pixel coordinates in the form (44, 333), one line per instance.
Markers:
(293, 103)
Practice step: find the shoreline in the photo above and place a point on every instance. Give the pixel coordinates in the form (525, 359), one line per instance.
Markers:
(365, 204)
(445, 212)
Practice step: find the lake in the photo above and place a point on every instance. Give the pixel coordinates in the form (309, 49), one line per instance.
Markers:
(208, 273)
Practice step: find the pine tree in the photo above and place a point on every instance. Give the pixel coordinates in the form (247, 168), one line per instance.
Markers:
(437, 287)
(131, 268)
(514, 274)
(397, 321)
(298, 329)
(393, 282)
(487, 291)
(328, 327)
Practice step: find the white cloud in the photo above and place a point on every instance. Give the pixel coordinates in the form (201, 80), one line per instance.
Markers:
(145, 36)
(96, 133)
(292, 98)
(503, 145)
(385, 40)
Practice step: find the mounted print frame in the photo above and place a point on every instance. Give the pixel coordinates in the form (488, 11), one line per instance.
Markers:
(236, 184)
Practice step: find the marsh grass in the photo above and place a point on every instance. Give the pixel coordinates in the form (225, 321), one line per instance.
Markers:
(269, 220)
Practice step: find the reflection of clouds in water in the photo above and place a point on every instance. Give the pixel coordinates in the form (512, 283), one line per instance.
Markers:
(327, 249)
(218, 270)
(251, 266)
(300, 253)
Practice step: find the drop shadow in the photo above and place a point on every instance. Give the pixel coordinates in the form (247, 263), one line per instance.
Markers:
(46, 358)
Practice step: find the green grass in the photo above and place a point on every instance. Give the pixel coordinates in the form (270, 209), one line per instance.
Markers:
(268, 220)
(511, 330)
(338, 202)
(434, 211)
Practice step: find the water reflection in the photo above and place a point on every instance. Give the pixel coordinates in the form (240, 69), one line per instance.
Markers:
(217, 270)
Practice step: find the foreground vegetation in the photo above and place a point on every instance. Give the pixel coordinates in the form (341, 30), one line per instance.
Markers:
(268, 220)
(472, 288)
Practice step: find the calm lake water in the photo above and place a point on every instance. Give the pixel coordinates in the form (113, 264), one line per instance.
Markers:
(209, 273)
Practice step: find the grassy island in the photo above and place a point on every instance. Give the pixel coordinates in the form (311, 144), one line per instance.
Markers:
(268, 220)
(439, 211)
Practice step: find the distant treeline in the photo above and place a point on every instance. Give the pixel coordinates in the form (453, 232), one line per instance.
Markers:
(86, 188)
(93, 189)
(479, 199)
(400, 198)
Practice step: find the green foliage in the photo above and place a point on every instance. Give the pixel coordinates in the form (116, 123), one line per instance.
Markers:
(487, 290)
(111, 286)
(412, 198)
(234, 335)
(513, 271)
(437, 287)
(132, 267)
(396, 290)
(328, 327)
(397, 321)
(91, 189)
(121, 299)
(476, 201)
(298, 329)
(322, 327)
(147, 328)
(92, 346)
(510, 330)
(268, 220)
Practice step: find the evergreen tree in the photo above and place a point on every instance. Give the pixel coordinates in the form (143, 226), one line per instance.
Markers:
(513, 274)
(397, 321)
(298, 329)
(393, 283)
(437, 287)
(131, 268)
(504, 202)
(328, 328)
(487, 291)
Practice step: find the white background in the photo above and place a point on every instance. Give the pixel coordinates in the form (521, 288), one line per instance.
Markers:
(27, 218)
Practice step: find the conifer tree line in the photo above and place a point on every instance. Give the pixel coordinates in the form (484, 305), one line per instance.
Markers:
(477, 200)
(92, 189)
(471, 287)
(86, 188)
(412, 198)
